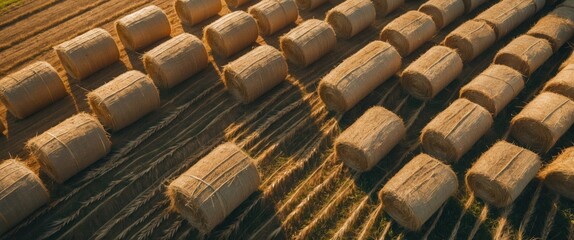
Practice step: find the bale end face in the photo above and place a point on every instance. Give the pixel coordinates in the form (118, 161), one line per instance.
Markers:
(559, 174)
(154, 71)
(215, 41)
(190, 210)
(233, 85)
(489, 190)
(384, 7)
(352, 156)
(532, 133)
(340, 23)
(399, 210)
(397, 40)
(332, 98)
(417, 85)
(439, 146)
(293, 52)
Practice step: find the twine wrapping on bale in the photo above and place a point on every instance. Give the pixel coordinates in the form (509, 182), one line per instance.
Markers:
(351, 17)
(234, 4)
(358, 75)
(501, 173)
(142, 28)
(21, 193)
(559, 174)
(273, 15)
(430, 73)
(507, 15)
(64, 150)
(124, 100)
(562, 83)
(308, 42)
(191, 12)
(568, 61)
(31, 89)
(175, 60)
(543, 121)
(417, 191)
(494, 88)
(453, 131)
(524, 54)
(554, 29)
(369, 139)
(310, 4)
(88, 53)
(384, 7)
(470, 5)
(471, 39)
(409, 31)
(231, 33)
(212, 188)
(255, 73)
(443, 12)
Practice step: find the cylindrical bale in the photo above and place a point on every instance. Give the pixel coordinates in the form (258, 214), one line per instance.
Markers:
(562, 83)
(559, 174)
(231, 33)
(565, 12)
(443, 12)
(21, 193)
(31, 89)
(358, 75)
(453, 131)
(351, 17)
(507, 15)
(384, 7)
(471, 39)
(494, 88)
(543, 121)
(567, 3)
(69, 147)
(191, 12)
(525, 54)
(501, 173)
(310, 4)
(88, 53)
(124, 100)
(430, 73)
(554, 29)
(409, 31)
(308, 42)
(234, 4)
(213, 187)
(369, 139)
(418, 190)
(255, 73)
(568, 61)
(470, 5)
(273, 15)
(175, 60)
(142, 28)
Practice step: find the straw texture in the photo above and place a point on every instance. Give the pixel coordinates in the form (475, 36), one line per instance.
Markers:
(554, 29)
(443, 12)
(562, 83)
(564, 11)
(525, 54)
(559, 174)
(231, 33)
(508, 14)
(470, 5)
(309, 5)
(351, 17)
(471, 39)
(234, 4)
(308, 42)
(385, 7)
(273, 15)
(192, 12)
(409, 31)
(568, 61)
(143, 28)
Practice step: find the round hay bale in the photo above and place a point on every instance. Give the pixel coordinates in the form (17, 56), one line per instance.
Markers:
(31, 89)
(501, 173)
(562, 83)
(417, 191)
(234, 4)
(231, 33)
(124, 100)
(308, 42)
(142, 28)
(351, 17)
(470, 39)
(309, 5)
(494, 88)
(568, 61)
(554, 29)
(507, 15)
(369, 139)
(88, 53)
(525, 54)
(192, 12)
(567, 3)
(470, 5)
(273, 15)
(358, 75)
(543, 121)
(443, 12)
(213, 187)
(175, 60)
(255, 73)
(21, 193)
(564, 12)
(559, 174)
(69, 147)
(431, 72)
(384, 7)
(409, 31)
(453, 131)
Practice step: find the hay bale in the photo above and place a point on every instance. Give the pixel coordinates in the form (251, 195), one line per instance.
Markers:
(358, 75)
(384, 7)
(494, 88)
(564, 12)
(507, 15)
(562, 83)
(470, 5)
(234, 4)
(418, 190)
(543, 121)
(255, 73)
(431, 72)
(31, 89)
(369, 139)
(470, 39)
(88, 53)
(142, 28)
(175, 60)
(559, 174)
(212, 188)
(273, 15)
(21, 193)
(409, 31)
(453, 131)
(124, 100)
(554, 29)
(308, 42)
(351, 17)
(231, 33)
(443, 12)
(501, 173)
(568, 61)
(567, 3)
(192, 12)
(309, 5)
(525, 54)
(69, 147)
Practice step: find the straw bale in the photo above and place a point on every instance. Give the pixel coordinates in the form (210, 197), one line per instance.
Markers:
(143, 28)
(273, 15)
(385, 7)
(559, 174)
(231, 33)
(409, 31)
(525, 54)
(562, 83)
(443, 12)
(506, 15)
(554, 29)
(192, 12)
(470, 5)
(470, 39)
(234, 4)
(351, 17)
(308, 42)
(309, 5)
